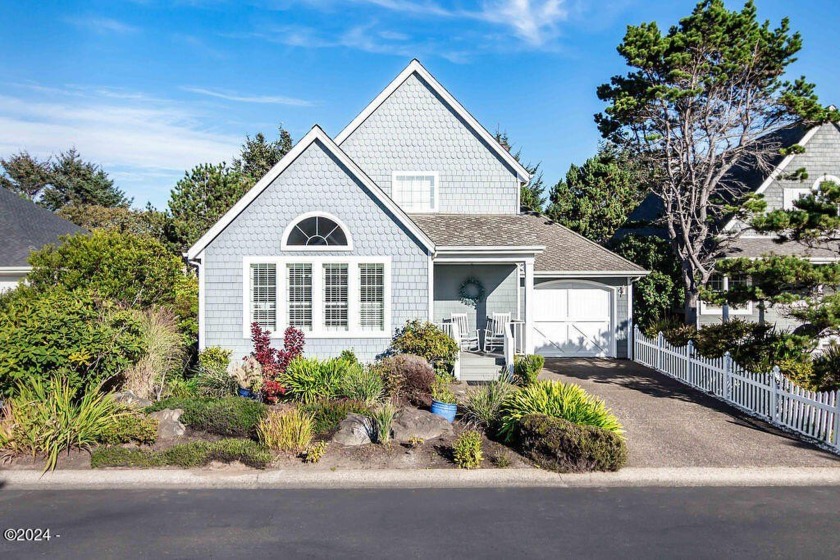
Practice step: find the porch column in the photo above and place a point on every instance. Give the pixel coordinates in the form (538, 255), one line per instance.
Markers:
(529, 306)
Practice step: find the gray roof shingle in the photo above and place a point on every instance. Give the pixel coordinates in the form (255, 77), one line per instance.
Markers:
(565, 250)
(25, 227)
(752, 247)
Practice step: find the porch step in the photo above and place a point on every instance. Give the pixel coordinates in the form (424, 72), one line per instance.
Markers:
(480, 367)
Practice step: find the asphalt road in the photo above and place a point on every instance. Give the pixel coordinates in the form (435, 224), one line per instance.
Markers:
(442, 523)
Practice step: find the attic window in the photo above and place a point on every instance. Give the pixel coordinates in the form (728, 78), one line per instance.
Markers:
(316, 232)
(415, 191)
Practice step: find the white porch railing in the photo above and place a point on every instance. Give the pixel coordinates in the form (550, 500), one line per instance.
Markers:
(514, 343)
(451, 329)
(769, 396)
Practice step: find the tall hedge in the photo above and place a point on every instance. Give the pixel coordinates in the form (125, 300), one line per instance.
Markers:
(69, 333)
(133, 269)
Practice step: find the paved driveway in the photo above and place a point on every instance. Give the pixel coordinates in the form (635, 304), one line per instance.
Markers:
(670, 425)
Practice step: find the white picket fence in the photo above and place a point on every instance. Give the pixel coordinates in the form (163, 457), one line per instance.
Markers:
(769, 396)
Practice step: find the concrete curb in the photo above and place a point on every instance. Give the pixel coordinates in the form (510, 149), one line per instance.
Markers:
(444, 478)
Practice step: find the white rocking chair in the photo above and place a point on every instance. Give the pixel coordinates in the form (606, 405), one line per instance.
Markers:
(494, 334)
(467, 338)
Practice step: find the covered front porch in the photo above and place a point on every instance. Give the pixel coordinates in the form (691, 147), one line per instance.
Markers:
(482, 302)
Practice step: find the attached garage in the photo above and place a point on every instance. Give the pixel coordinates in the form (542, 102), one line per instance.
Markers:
(575, 318)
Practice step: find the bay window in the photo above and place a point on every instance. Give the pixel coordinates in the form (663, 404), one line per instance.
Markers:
(325, 297)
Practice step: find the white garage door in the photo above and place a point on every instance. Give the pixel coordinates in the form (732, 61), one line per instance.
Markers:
(573, 318)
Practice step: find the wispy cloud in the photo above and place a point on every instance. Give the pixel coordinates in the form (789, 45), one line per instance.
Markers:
(103, 25)
(139, 138)
(231, 96)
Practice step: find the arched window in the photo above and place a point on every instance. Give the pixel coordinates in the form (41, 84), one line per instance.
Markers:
(316, 231)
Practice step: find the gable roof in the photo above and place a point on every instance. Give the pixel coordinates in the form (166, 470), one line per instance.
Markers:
(25, 227)
(565, 252)
(316, 134)
(414, 67)
(745, 176)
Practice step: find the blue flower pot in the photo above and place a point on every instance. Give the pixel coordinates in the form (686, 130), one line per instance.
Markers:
(246, 393)
(444, 410)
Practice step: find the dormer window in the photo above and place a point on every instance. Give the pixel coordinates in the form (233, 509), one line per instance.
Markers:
(316, 231)
(415, 191)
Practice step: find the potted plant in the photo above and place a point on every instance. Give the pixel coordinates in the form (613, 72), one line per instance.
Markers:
(249, 377)
(443, 399)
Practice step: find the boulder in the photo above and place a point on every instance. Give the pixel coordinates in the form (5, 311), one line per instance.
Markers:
(130, 398)
(353, 430)
(169, 424)
(415, 423)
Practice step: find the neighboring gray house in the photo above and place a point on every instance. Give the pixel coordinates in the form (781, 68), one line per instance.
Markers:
(25, 227)
(349, 238)
(821, 160)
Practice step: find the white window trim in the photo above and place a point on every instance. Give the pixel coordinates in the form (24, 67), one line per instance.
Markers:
(284, 243)
(792, 194)
(823, 179)
(707, 309)
(353, 295)
(434, 174)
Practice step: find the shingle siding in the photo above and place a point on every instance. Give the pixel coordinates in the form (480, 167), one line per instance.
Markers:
(500, 284)
(415, 130)
(314, 182)
(821, 157)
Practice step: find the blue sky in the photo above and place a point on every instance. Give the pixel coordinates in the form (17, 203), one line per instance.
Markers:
(149, 88)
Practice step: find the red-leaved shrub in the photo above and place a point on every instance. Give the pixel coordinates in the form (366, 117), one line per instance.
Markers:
(274, 361)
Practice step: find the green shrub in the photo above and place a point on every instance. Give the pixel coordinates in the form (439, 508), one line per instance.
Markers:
(466, 450)
(130, 428)
(527, 368)
(560, 400)
(179, 387)
(136, 270)
(315, 451)
(408, 379)
(381, 418)
(424, 339)
(559, 445)
(185, 455)
(483, 404)
(230, 416)
(286, 430)
(309, 379)
(675, 331)
(71, 335)
(51, 417)
(102, 457)
(214, 358)
(500, 460)
(826, 370)
(442, 390)
(327, 415)
(348, 355)
(361, 384)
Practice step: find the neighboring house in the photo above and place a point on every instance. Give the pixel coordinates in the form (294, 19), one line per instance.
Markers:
(25, 227)
(780, 188)
(349, 238)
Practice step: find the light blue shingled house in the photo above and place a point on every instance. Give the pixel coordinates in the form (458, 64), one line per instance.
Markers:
(413, 206)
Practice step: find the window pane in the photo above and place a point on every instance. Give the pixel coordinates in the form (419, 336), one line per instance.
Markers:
(335, 296)
(299, 298)
(372, 296)
(264, 295)
(317, 231)
(414, 193)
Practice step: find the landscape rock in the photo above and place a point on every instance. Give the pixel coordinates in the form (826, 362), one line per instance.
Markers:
(130, 398)
(353, 430)
(169, 424)
(415, 423)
